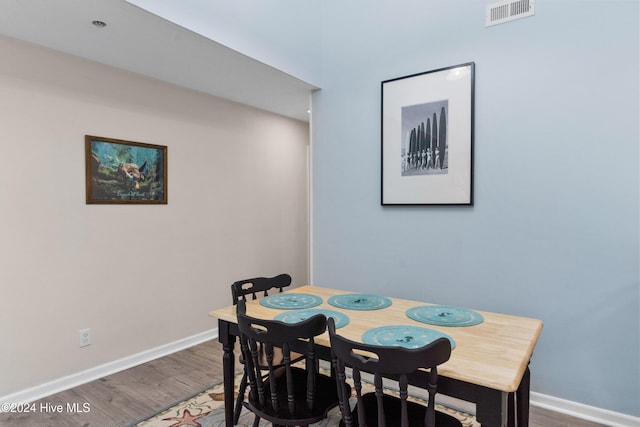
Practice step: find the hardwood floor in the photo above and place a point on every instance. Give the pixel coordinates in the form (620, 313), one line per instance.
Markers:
(127, 396)
(136, 393)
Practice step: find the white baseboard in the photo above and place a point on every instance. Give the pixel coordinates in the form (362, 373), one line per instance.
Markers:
(585, 412)
(74, 380)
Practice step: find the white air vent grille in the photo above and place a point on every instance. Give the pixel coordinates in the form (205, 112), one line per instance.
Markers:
(499, 13)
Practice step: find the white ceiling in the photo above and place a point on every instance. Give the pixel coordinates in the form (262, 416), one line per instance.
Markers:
(138, 41)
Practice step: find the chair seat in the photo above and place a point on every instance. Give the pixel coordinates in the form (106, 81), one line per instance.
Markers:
(392, 413)
(302, 415)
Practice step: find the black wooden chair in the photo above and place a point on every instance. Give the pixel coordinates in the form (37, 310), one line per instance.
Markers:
(253, 289)
(259, 287)
(287, 395)
(379, 408)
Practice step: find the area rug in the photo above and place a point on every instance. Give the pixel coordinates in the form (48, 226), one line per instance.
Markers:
(206, 409)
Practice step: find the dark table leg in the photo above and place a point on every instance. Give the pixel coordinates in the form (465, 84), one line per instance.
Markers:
(512, 410)
(228, 341)
(492, 408)
(522, 399)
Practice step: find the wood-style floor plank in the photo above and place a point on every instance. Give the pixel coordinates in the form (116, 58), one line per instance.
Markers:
(127, 396)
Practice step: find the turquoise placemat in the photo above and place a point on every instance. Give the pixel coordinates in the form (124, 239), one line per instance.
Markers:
(290, 301)
(444, 315)
(403, 336)
(295, 316)
(359, 301)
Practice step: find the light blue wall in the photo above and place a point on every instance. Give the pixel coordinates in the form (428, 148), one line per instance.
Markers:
(554, 230)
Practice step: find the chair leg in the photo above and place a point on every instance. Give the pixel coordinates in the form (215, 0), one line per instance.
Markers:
(242, 389)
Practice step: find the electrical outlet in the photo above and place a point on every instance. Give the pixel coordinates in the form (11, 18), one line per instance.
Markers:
(85, 337)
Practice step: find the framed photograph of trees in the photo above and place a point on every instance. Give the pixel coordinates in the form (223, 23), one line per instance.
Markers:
(427, 137)
(123, 172)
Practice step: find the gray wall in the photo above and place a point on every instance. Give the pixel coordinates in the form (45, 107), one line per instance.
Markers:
(554, 230)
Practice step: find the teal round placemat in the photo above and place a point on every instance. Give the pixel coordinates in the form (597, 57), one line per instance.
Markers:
(295, 316)
(444, 315)
(290, 301)
(403, 336)
(359, 301)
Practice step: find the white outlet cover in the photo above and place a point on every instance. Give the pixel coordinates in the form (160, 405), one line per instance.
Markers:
(85, 337)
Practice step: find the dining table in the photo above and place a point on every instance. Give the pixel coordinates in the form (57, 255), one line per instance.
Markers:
(489, 363)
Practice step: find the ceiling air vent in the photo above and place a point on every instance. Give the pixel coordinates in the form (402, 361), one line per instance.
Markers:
(499, 13)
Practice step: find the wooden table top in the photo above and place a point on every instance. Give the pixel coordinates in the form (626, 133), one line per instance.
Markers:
(493, 354)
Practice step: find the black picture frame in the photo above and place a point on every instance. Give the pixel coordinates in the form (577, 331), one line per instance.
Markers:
(427, 122)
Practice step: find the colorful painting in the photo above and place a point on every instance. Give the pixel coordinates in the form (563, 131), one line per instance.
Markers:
(120, 172)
